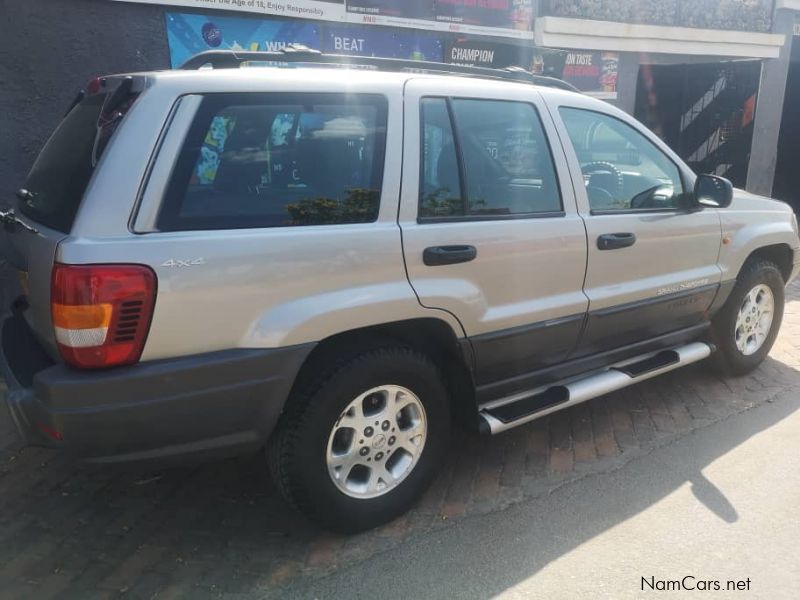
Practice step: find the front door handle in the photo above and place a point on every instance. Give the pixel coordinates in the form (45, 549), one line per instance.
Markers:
(448, 255)
(613, 241)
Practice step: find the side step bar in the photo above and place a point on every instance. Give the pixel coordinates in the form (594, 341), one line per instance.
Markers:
(522, 408)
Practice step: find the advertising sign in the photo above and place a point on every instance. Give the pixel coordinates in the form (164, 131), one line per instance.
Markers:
(410, 9)
(593, 72)
(366, 41)
(507, 18)
(324, 10)
(188, 34)
(511, 18)
(481, 53)
(504, 14)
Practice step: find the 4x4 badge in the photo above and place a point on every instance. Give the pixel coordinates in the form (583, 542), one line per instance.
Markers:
(174, 262)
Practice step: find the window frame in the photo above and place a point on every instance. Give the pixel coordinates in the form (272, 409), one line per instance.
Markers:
(462, 173)
(168, 219)
(685, 183)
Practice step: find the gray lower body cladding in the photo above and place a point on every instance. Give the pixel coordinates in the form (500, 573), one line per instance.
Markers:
(219, 403)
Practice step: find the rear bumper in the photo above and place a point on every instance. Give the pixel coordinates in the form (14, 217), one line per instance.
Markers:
(220, 403)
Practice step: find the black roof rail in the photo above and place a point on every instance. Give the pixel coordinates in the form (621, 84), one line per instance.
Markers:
(296, 54)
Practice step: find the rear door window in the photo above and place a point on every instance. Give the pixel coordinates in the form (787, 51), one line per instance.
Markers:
(62, 171)
(279, 160)
(496, 164)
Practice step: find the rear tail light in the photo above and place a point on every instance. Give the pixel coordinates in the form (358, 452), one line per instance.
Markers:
(101, 313)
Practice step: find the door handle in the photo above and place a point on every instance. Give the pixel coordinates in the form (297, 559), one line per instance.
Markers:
(613, 241)
(448, 255)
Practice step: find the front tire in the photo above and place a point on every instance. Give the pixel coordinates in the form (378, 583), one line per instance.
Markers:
(745, 328)
(359, 445)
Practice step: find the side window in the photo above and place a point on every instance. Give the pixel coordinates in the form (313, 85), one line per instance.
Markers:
(622, 169)
(506, 164)
(278, 160)
(440, 193)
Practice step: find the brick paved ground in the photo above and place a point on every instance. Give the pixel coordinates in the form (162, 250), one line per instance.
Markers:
(71, 530)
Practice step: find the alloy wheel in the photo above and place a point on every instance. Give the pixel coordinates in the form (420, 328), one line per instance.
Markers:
(377, 441)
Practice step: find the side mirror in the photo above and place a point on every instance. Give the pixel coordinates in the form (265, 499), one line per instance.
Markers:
(713, 191)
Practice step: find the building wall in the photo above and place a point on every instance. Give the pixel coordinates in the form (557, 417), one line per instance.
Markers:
(737, 15)
(764, 152)
(49, 49)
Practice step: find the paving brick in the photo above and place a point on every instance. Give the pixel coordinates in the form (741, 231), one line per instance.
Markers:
(677, 409)
(582, 435)
(465, 469)
(659, 413)
(623, 425)
(643, 426)
(487, 483)
(514, 457)
(538, 447)
(603, 430)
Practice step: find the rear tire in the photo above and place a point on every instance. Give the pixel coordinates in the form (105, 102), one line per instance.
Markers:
(332, 461)
(745, 329)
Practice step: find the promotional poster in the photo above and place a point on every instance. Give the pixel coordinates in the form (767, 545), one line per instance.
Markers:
(593, 72)
(473, 52)
(368, 41)
(188, 34)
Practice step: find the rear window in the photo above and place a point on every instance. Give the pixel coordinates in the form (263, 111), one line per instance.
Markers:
(64, 167)
(279, 160)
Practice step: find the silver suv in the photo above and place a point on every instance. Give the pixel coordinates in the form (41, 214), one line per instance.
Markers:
(333, 263)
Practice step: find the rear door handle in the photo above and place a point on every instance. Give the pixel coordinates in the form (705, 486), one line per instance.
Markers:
(448, 255)
(613, 241)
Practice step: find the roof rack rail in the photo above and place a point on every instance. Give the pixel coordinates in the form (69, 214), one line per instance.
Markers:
(297, 54)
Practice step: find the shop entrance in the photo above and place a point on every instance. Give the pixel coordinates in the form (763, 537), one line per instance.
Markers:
(787, 171)
(705, 112)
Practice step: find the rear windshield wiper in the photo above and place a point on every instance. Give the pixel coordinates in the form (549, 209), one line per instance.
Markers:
(9, 219)
(12, 223)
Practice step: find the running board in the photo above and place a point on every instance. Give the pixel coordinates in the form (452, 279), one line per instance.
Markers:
(522, 408)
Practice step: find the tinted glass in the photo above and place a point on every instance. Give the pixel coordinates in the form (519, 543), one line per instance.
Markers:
(506, 162)
(440, 194)
(622, 169)
(277, 160)
(62, 171)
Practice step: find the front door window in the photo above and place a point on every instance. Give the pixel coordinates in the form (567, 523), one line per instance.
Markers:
(622, 169)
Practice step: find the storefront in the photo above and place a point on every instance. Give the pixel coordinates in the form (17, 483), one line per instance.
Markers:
(693, 75)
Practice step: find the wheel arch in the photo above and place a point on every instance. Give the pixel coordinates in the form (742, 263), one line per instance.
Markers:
(780, 254)
(429, 335)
